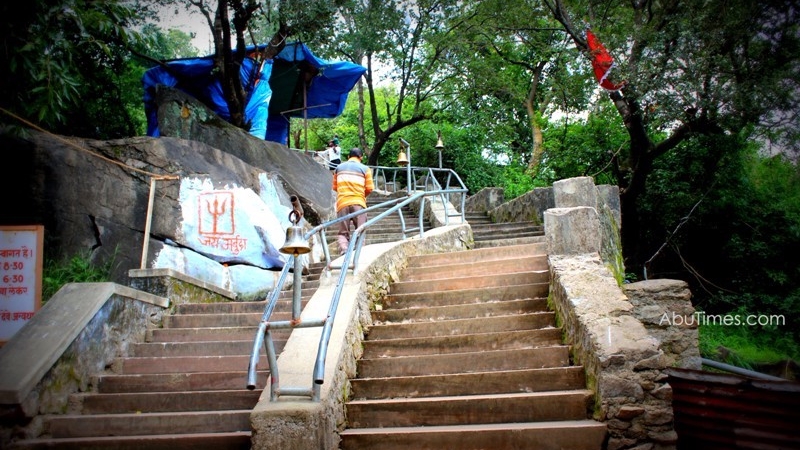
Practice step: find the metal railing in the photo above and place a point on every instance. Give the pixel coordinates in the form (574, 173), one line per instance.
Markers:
(432, 188)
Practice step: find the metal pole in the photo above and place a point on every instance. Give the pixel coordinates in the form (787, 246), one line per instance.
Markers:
(440, 158)
(408, 167)
(297, 293)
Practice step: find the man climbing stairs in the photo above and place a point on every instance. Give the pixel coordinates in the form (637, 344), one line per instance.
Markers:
(465, 354)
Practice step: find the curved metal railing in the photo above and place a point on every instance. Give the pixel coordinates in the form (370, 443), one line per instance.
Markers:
(431, 187)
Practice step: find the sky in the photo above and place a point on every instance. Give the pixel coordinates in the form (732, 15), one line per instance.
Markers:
(189, 23)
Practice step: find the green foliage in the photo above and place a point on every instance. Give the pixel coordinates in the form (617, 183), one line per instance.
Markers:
(62, 60)
(575, 148)
(747, 346)
(78, 269)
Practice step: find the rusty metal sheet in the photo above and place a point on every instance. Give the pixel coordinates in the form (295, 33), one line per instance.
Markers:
(725, 411)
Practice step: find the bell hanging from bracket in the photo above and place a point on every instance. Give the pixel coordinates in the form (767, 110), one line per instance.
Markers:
(295, 244)
(402, 160)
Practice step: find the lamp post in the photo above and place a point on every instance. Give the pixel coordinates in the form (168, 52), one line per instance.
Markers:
(404, 159)
(439, 146)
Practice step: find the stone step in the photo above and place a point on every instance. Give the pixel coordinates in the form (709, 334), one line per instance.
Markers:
(477, 383)
(175, 382)
(456, 363)
(501, 234)
(463, 296)
(480, 255)
(283, 304)
(184, 364)
(460, 311)
(220, 320)
(504, 242)
(530, 321)
(558, 435)
(504, 340)
(239, 440)
(473, 282)
(509, 227)
(469, 269)
(199, 348)
(135, 424)
(473, 409)
(151, 402)
(160, 335)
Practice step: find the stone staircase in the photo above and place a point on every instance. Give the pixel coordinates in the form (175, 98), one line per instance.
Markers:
(183, 388)
(464, 354)
(387, 229)
(486, 233)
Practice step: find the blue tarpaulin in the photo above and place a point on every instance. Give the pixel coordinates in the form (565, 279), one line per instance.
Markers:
(269, 105)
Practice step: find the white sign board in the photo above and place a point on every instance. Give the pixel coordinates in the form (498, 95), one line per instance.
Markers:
(20, 276)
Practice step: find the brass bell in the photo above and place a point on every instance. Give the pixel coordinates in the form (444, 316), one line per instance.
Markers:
(439, 142)
(402, 160)
(295, 244)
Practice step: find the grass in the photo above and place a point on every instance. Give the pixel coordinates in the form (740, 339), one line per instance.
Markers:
(747, 346)
(78, 269)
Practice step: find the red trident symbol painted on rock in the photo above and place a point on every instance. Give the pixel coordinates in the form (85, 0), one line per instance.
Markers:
(218, 209)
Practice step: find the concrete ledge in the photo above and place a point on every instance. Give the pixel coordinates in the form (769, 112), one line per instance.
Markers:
(70, 316)
(142, 279)
(299, 423)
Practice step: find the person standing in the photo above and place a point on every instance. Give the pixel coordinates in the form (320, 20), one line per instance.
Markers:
(352, 182)
(335, 153)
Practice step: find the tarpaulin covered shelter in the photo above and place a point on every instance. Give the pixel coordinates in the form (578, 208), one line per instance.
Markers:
(300, 85)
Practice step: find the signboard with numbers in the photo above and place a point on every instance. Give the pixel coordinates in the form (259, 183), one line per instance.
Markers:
(20, 276)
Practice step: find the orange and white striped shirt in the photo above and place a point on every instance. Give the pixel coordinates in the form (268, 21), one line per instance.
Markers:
(352, 182)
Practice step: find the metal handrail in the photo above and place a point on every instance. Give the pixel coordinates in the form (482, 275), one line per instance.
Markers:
(264, 336)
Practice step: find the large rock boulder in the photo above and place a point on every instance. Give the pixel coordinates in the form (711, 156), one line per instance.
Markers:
(180, 115)
(93, 196)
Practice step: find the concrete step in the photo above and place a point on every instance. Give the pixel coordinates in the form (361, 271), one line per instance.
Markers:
(463, 296)
(477, 383)
(559, 435)
(472, 282)
(152, 402)
(239, 440)
(470, 269)
(504, 340)
(136, 424)
(529, 321)
(474, 409)
(474, 256)
(461, 311)
(233, 307)
(468, 362)
(173, 382)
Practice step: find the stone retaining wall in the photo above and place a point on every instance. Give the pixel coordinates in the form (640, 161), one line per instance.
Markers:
(621, 340)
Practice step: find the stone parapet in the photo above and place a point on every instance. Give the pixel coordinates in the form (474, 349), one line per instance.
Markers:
(665, 308)
(529, 207)
(76, 335)
(625, 364)
(485, 200)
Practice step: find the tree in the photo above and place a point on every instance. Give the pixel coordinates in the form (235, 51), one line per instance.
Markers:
(411, 39)
(235, 24)
(61, 60)
(691, 68)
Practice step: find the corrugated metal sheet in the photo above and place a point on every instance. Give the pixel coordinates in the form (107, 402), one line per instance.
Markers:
(724, 411)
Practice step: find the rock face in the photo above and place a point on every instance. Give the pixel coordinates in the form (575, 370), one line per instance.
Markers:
(93, 196)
